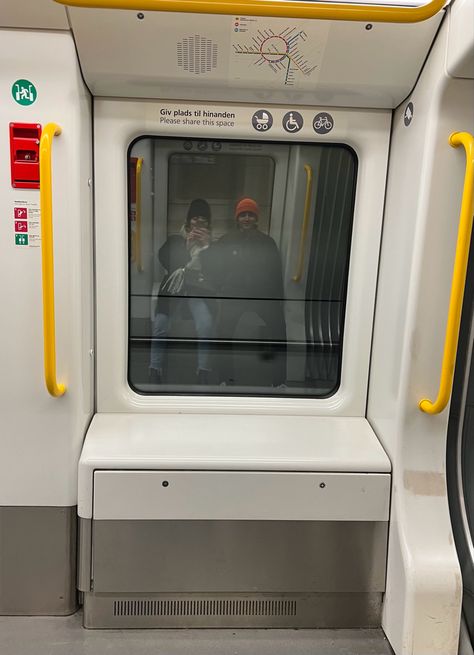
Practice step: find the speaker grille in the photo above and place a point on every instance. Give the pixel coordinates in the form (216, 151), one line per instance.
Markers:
(205, 608)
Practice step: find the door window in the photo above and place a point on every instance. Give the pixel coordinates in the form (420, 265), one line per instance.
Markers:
(238, 266)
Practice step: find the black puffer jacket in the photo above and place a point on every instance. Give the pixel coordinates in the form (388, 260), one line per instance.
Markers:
(249, 265)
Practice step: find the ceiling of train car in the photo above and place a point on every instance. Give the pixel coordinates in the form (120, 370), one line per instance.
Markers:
(126, 53)
(36, 14)
(250, 59)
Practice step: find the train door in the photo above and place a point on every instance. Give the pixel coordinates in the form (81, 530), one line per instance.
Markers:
(459, 456)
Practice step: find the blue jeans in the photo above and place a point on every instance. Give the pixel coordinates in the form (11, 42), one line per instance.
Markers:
(203, 323)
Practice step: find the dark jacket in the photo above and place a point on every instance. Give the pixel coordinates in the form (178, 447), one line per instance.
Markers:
(249, 265)
(174, 254)
(250, 280)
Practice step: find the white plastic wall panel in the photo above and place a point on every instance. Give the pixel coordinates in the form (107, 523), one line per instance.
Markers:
(117, 124)
(36, 14)
(41, 436)
(200, 442)
(330, 63)
(192, 495)
(424, 587)
(460, 57)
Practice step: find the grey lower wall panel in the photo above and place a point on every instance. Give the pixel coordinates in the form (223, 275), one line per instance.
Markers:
(236, 574)
(324, 610)
(84, 554)
(38, 560)
(238, 556)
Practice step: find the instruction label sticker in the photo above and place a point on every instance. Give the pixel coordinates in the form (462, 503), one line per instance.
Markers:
(26, 223)
(197, 117)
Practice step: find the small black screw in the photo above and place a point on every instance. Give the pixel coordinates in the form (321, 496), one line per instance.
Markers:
(322, 485)
(369, 26)
(140, 16)
(165, 483)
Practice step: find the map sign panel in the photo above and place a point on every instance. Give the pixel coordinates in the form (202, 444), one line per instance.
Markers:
(283, 52)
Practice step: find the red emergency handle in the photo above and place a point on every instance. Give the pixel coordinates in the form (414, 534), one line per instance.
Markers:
(24, 155)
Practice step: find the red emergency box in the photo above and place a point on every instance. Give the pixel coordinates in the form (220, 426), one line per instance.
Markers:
(24, 155)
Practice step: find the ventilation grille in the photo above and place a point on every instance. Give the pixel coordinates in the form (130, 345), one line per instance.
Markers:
(205, 608)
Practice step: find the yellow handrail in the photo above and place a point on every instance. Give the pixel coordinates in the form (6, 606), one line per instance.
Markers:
(138, 215)
(47, 260)
(459, 279)
(274, 8)
(304, 228)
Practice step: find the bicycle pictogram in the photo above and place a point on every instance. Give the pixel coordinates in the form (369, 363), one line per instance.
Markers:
(323, 123)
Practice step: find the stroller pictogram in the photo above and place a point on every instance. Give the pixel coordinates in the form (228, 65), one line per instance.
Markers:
(262, 120)
(261, 123)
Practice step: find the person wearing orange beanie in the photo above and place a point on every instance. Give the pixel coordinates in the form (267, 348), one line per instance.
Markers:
(246, 213)
(251, 280)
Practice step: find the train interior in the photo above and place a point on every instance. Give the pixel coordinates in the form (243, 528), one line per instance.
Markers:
(237, 376)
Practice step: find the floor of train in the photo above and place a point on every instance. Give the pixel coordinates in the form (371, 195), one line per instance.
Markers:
(65, 636)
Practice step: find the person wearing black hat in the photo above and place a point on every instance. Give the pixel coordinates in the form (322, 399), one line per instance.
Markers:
(185, 283)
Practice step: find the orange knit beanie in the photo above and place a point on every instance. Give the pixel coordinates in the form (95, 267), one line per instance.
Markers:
(246, 205)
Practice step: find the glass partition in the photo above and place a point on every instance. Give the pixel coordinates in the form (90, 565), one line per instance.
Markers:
(238, 266)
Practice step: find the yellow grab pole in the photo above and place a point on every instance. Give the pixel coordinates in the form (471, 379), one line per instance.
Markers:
(47, 260)
(274, 8)
(304, 229)
(459, 279)
(138, 215)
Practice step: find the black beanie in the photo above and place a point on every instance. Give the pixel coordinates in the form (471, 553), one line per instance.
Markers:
(198, 207)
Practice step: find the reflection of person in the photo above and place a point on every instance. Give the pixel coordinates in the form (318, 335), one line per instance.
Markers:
(250, 281)
(185, 284)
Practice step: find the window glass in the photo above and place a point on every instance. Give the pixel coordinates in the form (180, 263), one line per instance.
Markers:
(238, 265)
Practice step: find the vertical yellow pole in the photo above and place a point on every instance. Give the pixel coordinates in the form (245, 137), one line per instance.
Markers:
(47, 260)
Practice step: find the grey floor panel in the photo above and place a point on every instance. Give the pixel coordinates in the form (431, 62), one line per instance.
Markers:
(65, 636)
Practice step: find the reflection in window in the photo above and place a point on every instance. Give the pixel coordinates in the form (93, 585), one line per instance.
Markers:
(214, 305)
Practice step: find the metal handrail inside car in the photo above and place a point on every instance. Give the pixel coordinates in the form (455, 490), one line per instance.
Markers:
(138, 215)
(275, 9)
(47, 260)
(304, 228)
(459, 279)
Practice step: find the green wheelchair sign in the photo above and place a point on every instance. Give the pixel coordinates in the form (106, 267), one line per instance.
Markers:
(24, 92)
